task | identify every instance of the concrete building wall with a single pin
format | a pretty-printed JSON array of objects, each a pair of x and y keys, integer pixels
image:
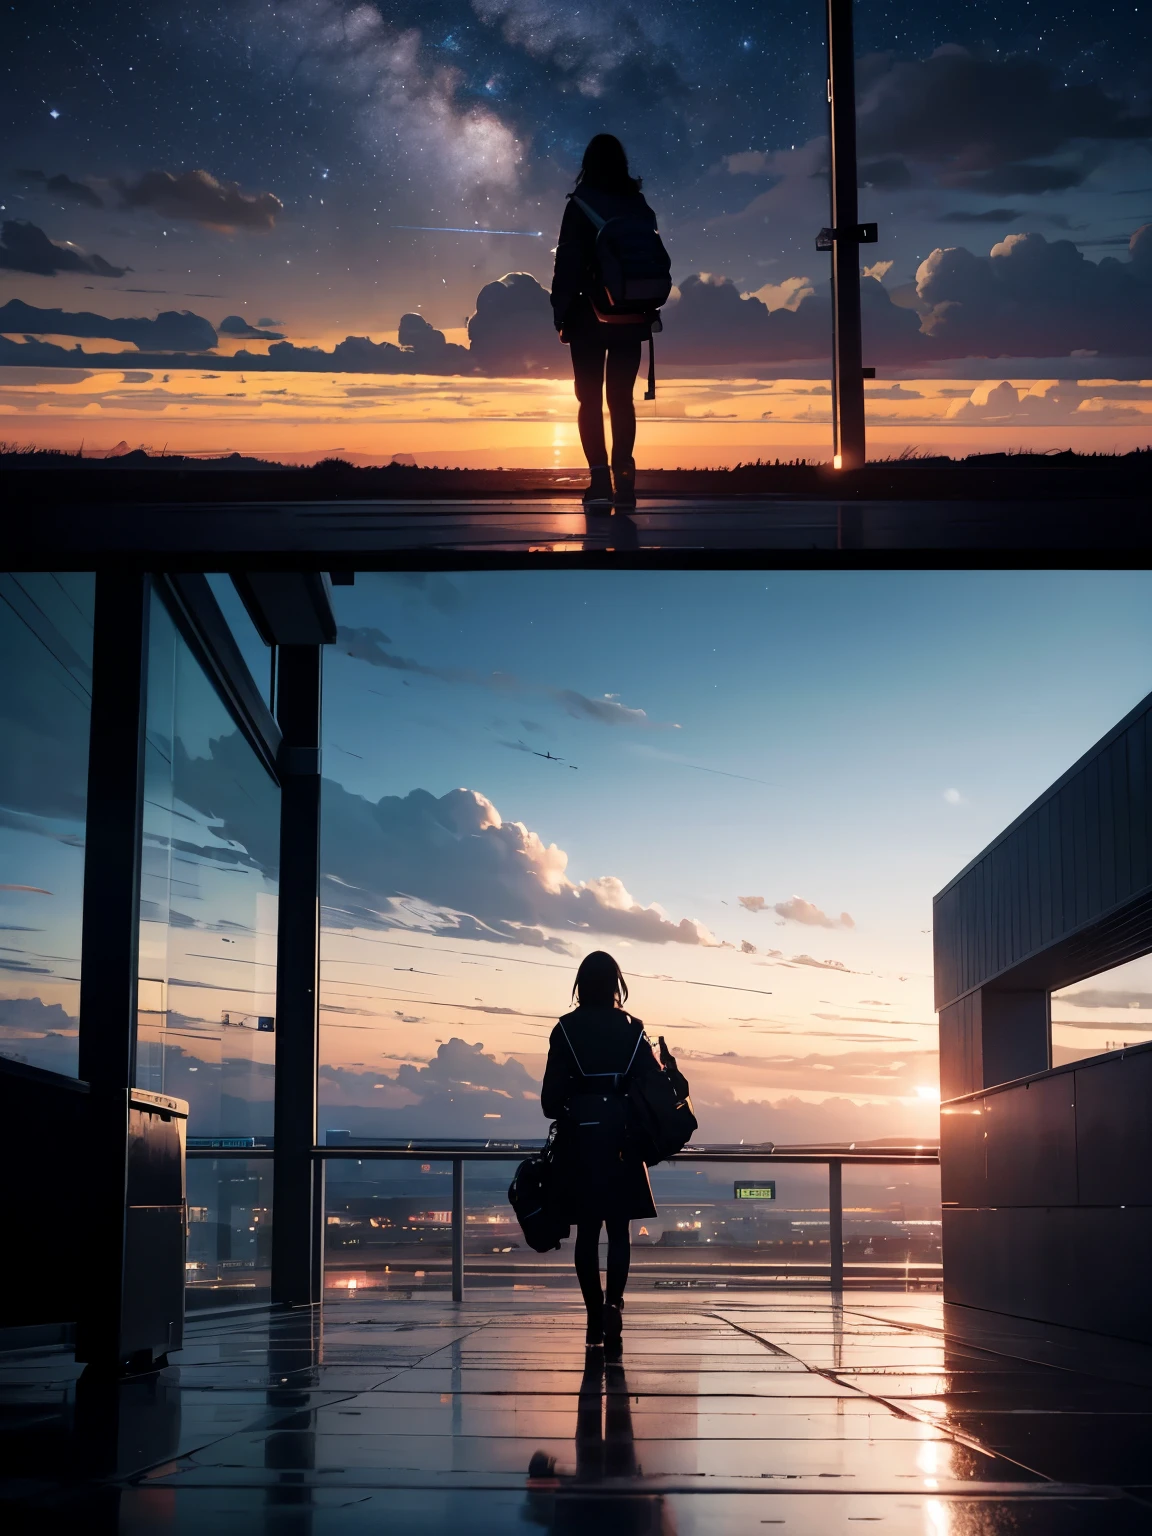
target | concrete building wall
[{"x": 1047, "y": 1212}]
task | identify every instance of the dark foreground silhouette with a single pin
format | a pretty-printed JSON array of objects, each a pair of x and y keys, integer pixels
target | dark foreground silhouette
[{"x": 49, "y": 475}]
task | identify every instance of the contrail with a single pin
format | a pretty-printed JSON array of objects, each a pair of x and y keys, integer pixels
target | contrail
[{"x": 448, "y": 229}]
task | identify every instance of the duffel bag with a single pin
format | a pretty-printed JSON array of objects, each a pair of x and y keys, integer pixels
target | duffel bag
[{"x": 530, "y": 1195}]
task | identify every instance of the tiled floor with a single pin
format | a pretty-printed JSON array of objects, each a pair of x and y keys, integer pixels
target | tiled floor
[
  {"x": 366, "y": 532},
  {"x": 728, "y": 1416}
]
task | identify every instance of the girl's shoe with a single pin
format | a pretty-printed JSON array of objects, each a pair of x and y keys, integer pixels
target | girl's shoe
[
  {"x": 598, "y": 496},
  {"x": 624, "y": 478},
  {"x": 613, "y": 1332}
]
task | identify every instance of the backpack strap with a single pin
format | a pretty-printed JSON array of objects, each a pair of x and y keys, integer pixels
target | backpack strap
[
  {"x": 650, "y": 392},
  {"x": 597, "y": 222},
  {"x": 572, "y": 1048}
]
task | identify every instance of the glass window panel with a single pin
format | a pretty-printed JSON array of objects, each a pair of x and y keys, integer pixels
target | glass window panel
[
  {"x": 388, "y": 1226},
  {"x": 1107, "y": 1012},
  {"x": 512, "y": 779},
  {"x": 45, "y": 718},
  {"x": 258, "y": 655},
  {"x": 229, "y": 1254},
  {"x": 208, "y": 902}
]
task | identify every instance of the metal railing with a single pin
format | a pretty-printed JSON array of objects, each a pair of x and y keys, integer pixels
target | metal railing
[{"x": 457, "y": 1153}]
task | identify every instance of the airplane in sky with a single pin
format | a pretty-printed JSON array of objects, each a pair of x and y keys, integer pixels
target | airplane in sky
[{"x": 549, "y": 757}]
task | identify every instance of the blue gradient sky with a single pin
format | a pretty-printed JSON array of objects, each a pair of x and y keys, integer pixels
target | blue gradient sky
[{"x": 897, "y": 719}]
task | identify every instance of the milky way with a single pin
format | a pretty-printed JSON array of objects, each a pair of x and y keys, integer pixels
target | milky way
[{"x": 346, "y": 145}]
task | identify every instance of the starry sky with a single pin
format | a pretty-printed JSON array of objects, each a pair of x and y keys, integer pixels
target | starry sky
[{"x": 274, "y": 177}]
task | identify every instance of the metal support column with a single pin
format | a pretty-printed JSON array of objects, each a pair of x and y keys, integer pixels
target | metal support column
[
  {"x": 294, "y": 1270},
  {"x": 457, "y": 1229},
  {"x": 110, "y": 945},
  {"x": 836, "y": 1224},
  {"x": 847, "y": 352},
  {"x": 319, "y": 1225}
]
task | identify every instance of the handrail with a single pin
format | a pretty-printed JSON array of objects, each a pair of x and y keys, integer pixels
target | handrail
[
  {"x": 457, "y": 1153},
  {"x": 508, "y": 1151}
]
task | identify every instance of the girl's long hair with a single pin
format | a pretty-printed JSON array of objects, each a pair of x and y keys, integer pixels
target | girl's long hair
[
  {"x": 605, "y": 165},
  {"x": 600, "y": 982}
]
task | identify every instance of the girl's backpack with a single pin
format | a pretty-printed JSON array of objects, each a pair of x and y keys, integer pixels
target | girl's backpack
[
  {"x": 660, "y": 1108},
  {"x": 632, "y": 273}
]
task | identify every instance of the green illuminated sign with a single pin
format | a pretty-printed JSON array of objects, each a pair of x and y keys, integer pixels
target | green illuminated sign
[{"x": 755, "y": 1191}]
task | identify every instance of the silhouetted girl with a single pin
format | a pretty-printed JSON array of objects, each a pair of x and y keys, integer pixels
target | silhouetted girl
[
  {"x": 605, "y": 358},
  {"x": 600, "y": 1178}
]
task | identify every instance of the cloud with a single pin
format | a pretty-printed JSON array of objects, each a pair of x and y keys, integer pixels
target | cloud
[
  {"x": 889, "y": 175},
  {"x": 797, "y": 910},
  {"x": 198, "y": 196},
  {"x": 788, "y": 294},
  {"x": 236, "y": 325},
  {"x": 35, "y": 1016},
  {"x": 512, "y": 332},
  {"x": 367, "y": 643},
  {"x": 457, "y": 1065},
  {"x": 457, "y": 1088},
  {"x": 39, "y": 1033},
  {"x": 424, "y": 586},
  {"x": 1039, "y": 298},
  {"x": 746, "y": 948},
  {"x": 421, "y": 349},
  {"x": 988, "y": 124},
  {"x": 1028, "y": 298},
  {"x": 953, "y": 796},
  {"x": 712, "y": 322},
  {"x": 999, "y": 216},
  {"x": 62, "y": 186},
  {"x": 480, "y": 877},
  {"x": 823, "y": 965},
  {"x": 172, "y": 330},
  {"x": 1048, "y": 403},
  {"x": 868, "y": 1071},
  {"x": 606, "y": 710},
  {"x": 1106, "y": 997},
  {"x": 24, "y": 247}
]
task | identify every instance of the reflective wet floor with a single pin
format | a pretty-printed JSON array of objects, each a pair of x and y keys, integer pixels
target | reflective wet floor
[
  {"x": 365, "y": 534},
  {"x": 729, "y": 1414}
]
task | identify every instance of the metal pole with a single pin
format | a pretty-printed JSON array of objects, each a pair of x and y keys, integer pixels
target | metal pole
[
  {"x": 836, "y": 1225},
  {"x": 847, "y": 353},
  {"x": 457, "y": 1229},
  {"x": 319, "y": 1225},
  {"x": 110, "y": 945},
  {"x": 294, "y": 1270}
]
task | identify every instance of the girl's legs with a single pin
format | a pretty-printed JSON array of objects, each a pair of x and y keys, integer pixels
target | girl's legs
[
  {"x": 619, "y": 1247},
  {"x": 619, "y": 1253},
  {"x": 623, "y": 364},
  {"x": 588, "y": 374},
  {"x": 588, "y": 1273}
]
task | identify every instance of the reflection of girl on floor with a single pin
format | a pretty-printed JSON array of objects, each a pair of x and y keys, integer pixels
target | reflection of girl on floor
[{"x": 605, "y": 1449}]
